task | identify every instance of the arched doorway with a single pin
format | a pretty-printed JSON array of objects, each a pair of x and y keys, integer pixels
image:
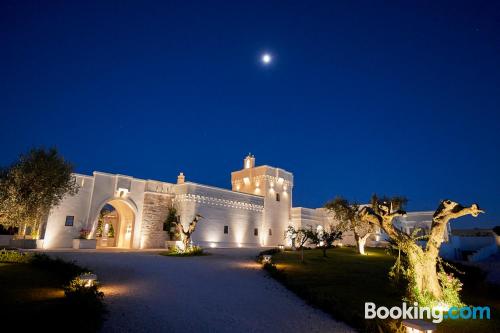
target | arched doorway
[{"x": 114, "y": 226}]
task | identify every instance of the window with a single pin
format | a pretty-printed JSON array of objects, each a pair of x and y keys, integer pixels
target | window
[
  {"x": 69, "y": 221},
  {"x": 277, "y": 197},
  {"x": 226, "y": 229},
  {"x": 270, "y": 232},
  {"x": 255, "y": 232}
]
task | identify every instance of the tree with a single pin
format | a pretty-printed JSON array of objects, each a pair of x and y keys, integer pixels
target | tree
[
  {"x": 170, "y": 221},
  {"x": 186, "y": 234},
  {"x": 348, "y": 216},
  {"x": 100, "y": 221},
  {"x": 300, "y": 237},
  {"x": 29, "y": 188},
  {"x": 425, "y": 283},
  {"x": 324, "y": 238}
]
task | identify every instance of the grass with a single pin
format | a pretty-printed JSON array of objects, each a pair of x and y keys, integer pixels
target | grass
[
  {"x": 341, "y": 283},
  {"x": 32, "y": 297}
]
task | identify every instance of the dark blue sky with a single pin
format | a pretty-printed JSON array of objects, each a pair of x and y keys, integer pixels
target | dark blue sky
[{"x": 362, "y": 97}]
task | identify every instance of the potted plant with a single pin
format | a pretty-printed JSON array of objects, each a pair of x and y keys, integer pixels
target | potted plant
[{"x": 83, "y": 241}]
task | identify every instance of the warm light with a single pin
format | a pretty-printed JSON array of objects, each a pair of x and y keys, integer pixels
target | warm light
[
  {"x": 266, "y": 259},
  {"x": 89, "y": 279},
  {"x": 122, "y": 192},
  {"x": 212, "y": 245},
  {"x": 321, "y": 243},
  {"x": 340, "y": 244},
  {"x": 239, "y": 244},
  {"x": 281, "y": 247},
  {"x": 246, "y": 180}
]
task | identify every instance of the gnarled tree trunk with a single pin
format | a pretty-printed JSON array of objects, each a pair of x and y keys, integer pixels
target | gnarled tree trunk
[
  {"x": 361, "y": 242},
  {"x": 424, "y": 271}
]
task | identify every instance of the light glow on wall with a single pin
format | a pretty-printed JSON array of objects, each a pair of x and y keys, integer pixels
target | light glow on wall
[
  {"x": 213, "y": 245},
  {"x": 122, "y": 192}
]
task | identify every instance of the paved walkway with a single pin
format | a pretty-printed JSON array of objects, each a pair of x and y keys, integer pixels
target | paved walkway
[{"x": 224, "y": 292}]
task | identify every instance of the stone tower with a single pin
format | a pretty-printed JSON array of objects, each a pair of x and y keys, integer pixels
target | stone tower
[{"x": 275, "y": 185}]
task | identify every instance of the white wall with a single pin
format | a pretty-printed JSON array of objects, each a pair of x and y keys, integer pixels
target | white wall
[
  {"x": 56, "y": 233},
  {"x": 240, "y": 212}
]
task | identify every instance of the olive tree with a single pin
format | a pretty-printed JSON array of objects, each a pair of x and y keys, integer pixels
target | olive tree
[
  {"x": 186, "y": 233},
  {"x": 425, "y": 283},
  {"x": 347, "y": 214},
  {"x": 299, "y": 238},
  {"x": 33, "y": 185},
  {"x": 324, "y": 237}
]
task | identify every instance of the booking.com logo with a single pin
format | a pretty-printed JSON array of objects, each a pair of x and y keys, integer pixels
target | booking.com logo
[{"x": 437, "y": 314}]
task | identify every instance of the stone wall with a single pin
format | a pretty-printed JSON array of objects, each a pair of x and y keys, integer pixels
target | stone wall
[{"x": 154, "y": 213}]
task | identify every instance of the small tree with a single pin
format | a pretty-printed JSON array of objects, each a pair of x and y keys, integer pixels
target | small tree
[
  {"x": 324, "y": 238},
  {"x": 348, "y": 216},
  {"x": 100, "y": 221},
  {"x": 170, "y": 222},
  {"x": 29, "y": 188},
  {"x": 186, "y": 234},
  {"x": 111, "y": 231},
  {"x": 299, "y": 237}
]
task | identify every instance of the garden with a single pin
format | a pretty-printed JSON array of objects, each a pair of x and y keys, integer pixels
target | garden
[
  {"x": 39, "y": 292},
  {"x": 342, "y": 282}
]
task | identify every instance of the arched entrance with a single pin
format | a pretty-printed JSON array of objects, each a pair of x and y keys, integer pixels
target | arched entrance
[{"x": 115, "y": 223}]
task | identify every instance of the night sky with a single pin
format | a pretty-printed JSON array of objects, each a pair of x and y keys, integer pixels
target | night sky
[{"x": 361, "y": 97}]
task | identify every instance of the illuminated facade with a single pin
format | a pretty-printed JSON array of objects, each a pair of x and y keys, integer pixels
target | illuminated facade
[{"x": 255, "y": 212}]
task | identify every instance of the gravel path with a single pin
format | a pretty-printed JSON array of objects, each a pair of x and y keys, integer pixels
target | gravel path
[{"x": 223, "y": 292}]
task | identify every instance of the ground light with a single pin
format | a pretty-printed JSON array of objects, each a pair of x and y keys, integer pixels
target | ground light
[
  {"x": 266, "y": 259},
  {"x": 418, "y": 326},
  {"x": 281, "y": 247},
  {"x": 89, "y": 279}
]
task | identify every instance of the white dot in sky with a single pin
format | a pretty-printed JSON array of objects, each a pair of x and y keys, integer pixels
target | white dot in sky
[{"x": 266, "y": 58}]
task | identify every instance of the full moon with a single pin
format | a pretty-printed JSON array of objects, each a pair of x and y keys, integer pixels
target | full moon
[{"x": 266, "y": 58}]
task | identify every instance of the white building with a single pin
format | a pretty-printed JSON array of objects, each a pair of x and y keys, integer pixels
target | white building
[{"x": 256, "y": 212}]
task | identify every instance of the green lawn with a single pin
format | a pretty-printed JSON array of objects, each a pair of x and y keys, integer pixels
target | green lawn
[
  {"x": 32, "y": 297},
  {"x": 341, "y": 283}
]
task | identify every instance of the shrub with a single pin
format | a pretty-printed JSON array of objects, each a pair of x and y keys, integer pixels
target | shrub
[
  {"x": 191, "y": 252},
  {"x": 267, "y": 252},
  {"x": 87, "y": 299},
  {"x": 15, "y": 256},
  {"x": 63, "y": 269}
]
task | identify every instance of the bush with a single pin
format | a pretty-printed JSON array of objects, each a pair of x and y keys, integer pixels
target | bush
[
  {"x": 267, "y": 252},
  {"x": 63, "y": 269},
  {"x": 87, "y": 300},
  {"x": 15, "y": 256},
  {"x": 191, "y": 252}
]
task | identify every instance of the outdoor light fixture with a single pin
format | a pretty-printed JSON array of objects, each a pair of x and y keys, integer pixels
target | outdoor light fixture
[
  {"x": 239, "y": 244},
  {"x": 122, "y": 192},
  {"x": 212, "y": 245},
  {"x": 340, "y": 244},
  {"x": 281, "y": 247},
  {"x": 266, "y": 259},
  {"x": 89, "y": 279},
  {"x": 418, "y": 326}
]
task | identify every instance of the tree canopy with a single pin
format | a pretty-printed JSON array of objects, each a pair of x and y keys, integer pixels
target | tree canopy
[{"x": 34, "y": 184}]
